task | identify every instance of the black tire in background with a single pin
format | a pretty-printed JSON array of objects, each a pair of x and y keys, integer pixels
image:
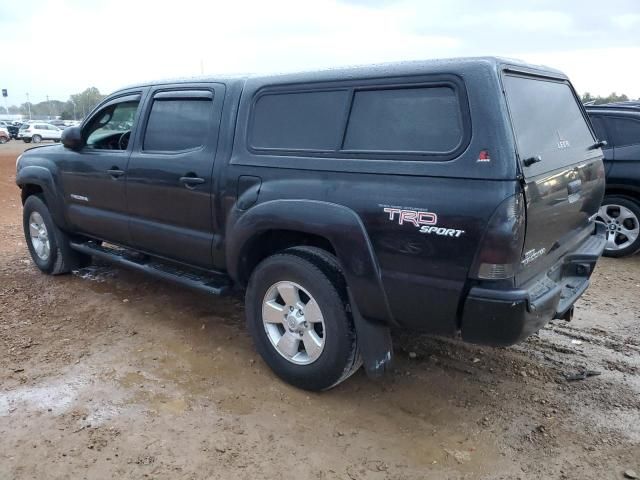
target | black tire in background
[
  {"x": 339, "y": 357},
  {"x": 61, "y": 258},
  {"x": 611, "y": 203}
]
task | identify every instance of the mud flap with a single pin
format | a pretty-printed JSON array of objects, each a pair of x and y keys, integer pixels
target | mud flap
[{"x": 374, "y": 343}]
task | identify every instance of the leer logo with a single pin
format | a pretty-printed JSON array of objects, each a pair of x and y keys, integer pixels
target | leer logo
[{"x": 562, "y": 143}]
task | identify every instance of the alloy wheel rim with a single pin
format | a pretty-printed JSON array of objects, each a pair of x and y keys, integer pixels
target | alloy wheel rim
[
  {"x": 39, "y": 236},
  {"x": 623, "y": 227},
  {"x": 293, "y": 322}
]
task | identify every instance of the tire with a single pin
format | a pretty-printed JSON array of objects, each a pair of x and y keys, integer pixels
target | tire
[
  {"x": 3, "y": 140},
  {"x": 622, "y": 217},
  {"x": 50, "y": 251},
  {"x": 317, "y": 277},
  {"x": 36, "y": 139},
  {"x": 26, "y": 140}
]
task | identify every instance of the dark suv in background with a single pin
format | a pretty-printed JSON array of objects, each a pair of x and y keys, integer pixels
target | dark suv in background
[{"x": 619, "y": 125}]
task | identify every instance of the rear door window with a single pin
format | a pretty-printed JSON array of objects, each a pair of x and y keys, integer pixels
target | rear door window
[
  {"x": 179, "y": 123},
  {"x": 625, "y": 131},
  {"x": 548, "y": 123}
]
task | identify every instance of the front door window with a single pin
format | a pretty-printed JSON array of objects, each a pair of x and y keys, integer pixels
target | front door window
[{"x": 110, "y": 129}]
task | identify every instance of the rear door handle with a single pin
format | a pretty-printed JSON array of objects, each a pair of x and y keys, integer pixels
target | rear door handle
[
  {"x": 191, "y": 182},
  {"x": 115, "y": 172}
]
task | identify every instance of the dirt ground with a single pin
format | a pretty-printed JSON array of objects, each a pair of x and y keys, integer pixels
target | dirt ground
[{"x": 107, "y": 373}]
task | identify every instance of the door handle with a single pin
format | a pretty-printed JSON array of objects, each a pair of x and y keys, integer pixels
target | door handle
[
  {"x": 115, "y": 172},
  {"x": 191, "y": 182}
]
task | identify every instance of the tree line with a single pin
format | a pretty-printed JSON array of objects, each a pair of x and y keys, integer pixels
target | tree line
[
  {"x": 75, "y": 108},
  {"x": 613, "y": 97}
]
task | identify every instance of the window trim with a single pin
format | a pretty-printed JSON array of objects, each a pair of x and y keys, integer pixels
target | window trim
[
  {"x": 352, "y": 86},
  {"x": 177, "y": 93}
]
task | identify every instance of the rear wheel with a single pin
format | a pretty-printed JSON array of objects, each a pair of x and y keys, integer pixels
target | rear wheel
[
  {"x": 26, "y": 140},
  {"x": 4, "y": 139},
  {"x": 297, "y": 315},
  {"x": 48, "y": 245},
  {"x": 621, "y": 215},
  {"x": 36, "y": 139}
]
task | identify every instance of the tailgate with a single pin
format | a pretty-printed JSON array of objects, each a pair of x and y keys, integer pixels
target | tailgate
[{"x": 563, "y": 174}]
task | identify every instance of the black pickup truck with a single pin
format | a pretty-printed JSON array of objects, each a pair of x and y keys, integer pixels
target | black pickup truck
[{"x": 456, "y": 197}]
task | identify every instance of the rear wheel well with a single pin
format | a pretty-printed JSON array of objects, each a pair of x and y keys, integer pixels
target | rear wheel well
[
  {"x": 273, "y": 241},
  {"x": 30, "y": 189}
]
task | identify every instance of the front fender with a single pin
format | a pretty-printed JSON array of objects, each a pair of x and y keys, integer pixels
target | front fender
[
  {"x": 340, "y": 225},
  {"x": 42, "y": 177}
]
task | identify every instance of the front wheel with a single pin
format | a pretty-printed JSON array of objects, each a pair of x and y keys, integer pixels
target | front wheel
[
  {"x": 621, "y": 215},
  {"x": 3, "y": 140},
  {"x": 48, "y": 245},
  {"x": 296, "y": 309},
  {"x": 26, "y": 140}
]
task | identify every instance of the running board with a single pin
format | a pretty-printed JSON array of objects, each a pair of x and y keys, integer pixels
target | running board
[{"x": 212, "y": 283}]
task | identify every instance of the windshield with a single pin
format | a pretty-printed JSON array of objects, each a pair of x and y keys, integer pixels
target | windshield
[{"x": 548, "y": 123}]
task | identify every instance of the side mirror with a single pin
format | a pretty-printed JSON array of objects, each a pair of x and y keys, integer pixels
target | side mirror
[{"x": 72, "y": 138}]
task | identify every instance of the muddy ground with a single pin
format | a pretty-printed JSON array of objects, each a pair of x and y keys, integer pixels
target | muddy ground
[{"x": 109, "y": 374}]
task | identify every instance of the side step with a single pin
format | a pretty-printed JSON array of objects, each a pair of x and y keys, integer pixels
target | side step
[{"x": 212, "y": 283}]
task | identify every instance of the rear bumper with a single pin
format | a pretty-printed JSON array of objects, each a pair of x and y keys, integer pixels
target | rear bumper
[{"x": 505, "y": 317}]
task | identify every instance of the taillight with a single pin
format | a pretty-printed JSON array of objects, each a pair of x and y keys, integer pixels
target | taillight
[{"x": 501, "y": 247}]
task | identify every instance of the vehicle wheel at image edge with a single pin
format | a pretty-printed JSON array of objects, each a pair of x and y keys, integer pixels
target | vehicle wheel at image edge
[
  {"x": 621, "y": 215},
  {"x": 48, "y": 245},
  {"x": 296, "y": 308},
  {"x": 3, "y": 140}
]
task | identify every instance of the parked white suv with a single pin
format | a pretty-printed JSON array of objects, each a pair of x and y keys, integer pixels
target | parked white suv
[
  {"x": 4, "y": 135},
  {"x": 37, "y": 132}
]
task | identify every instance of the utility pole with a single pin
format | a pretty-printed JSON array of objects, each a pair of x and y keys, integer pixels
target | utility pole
[{"x": 29, "y": 105}]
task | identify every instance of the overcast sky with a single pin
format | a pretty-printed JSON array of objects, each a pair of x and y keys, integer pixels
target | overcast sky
[{"x": 60, "y": 47}]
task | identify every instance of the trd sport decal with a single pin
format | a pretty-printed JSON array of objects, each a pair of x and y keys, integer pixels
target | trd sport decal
[{"x": 427, "y": 222}]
